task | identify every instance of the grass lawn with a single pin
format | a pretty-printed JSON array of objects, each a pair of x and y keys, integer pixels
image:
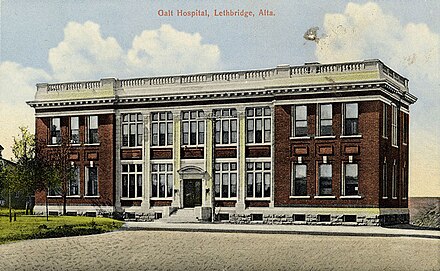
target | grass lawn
[{"x": 31, "y": 227}]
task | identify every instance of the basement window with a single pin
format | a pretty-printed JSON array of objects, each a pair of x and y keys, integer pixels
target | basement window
[
  {"x": 323, "y": 218},
  {"x": 257, "y": 217},
  {"x": 297, "y": 217},
  {"x": 350, "y": 218}
]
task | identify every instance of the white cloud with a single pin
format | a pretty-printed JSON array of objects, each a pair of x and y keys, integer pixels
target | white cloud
[
  {"x": 17, "y": 86},
  {"x": 365, "y": 32},
  {"x": 85, "y": 54}
]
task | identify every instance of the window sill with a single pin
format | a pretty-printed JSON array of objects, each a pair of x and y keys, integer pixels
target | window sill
[
  {"x": 192, "y": 146},
  {"x": 53, "y": 145},
  {"x": 299, "y": 137},
  {"x": 299, "y": 197},
  {"x": 73, "y": 197},
  {"x": 92, "y": 144},
  {"x": 131, "y": 198},
  {"x": 384, "y": 197},
  {"x": 54, "y": 197},
  {"x": 394, "y": 197},
  {"x": 91, "y": 197},
  {"x": 350, "y": 197},
  {"x": 227, "y": 199},
  {"x": 404, "y": 198},
  {"x": 75, "y": 144},
  {"x": 161, "y": 198},
  {"x": 324, "y": 197},
  {"x": 130, "y": 147},
  {"x": 257, "y": 199},
  {"x": 151, "y": 147},
  {"x": 385, "y": 137},
  {"x": 351, "y": 136},
  {"x": 225, "y": 145},
  {"x": 395, "y": 146},
  {"x": 325, "y": 137},
  {"x": 259, "y": 144},
  {"x": 404, "y": 144}
]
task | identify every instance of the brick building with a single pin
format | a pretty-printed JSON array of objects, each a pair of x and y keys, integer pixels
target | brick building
[{"x": 318, "y": 143}]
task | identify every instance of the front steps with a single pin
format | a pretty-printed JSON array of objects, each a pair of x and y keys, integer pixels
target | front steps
[{"x": 186, "y": 215}]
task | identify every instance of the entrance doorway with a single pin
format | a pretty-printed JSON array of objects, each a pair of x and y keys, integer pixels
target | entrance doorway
[{"x": 192, "y": 193}]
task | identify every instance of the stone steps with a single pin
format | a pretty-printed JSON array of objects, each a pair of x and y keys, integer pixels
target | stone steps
[{"x": 181, "y": 216}]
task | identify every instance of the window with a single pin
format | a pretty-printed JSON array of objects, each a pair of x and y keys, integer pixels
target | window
[
  {"x": 225, "y": 126},
  {"x": 394, "y": 181},
  {"x": 225, "y": 180},
  {"x": 258, "y": 179},
  {"x": 404, "y": 182},
  {"x": 193, "y": 128},
  {"x": 325, "y": 120},
  {"x": 162, "y": 129},
  {"x": 54, "y": 190},
  {"x": 351, "y": 119},
  {"x": 299, "y": 180},
  {"x": 132, "y": 130},
  {"x": 394, "y": 127},
  {"x": 162, "y": 180},
  {"x": 74, "y": 130},
  {"x": 384, "y": 180},
  {"x": 258, "y": 125},
  {"x": 405, "y": 129},
  {"x": 55, "y": 131},
  {"x": 92, "y": 129},
  {"x": 385, "y": 121},
  {"x": 351, "y": 180},
  {"x": 325, "y": 180},
  {"x": 73, "y": 188},
  {"x": 92, "y": 181},
  {"x": 131, "y": 180},
  {"x": 299, "y": 118}
]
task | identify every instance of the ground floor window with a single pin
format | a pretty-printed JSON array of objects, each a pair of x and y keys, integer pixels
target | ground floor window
[
  {"x": 258, "y": 179},
  {"x": 325, "y": 180},
  {"x": 162, "y": 180},
  {"x": 132, "y": 181},
  {"x": 351, "y": 180},
  {"x": 299, "y": 180},
  {"x": 73, "y": 189},
  {"x": 91, "y": 181},
  {"x": 225, "y": 179}
]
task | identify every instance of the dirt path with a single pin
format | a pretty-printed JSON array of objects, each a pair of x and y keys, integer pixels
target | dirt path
[{"x": 149, "y": 250}]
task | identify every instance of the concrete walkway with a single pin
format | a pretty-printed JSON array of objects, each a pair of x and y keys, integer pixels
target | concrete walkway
[{"x": 369, "y": 231}]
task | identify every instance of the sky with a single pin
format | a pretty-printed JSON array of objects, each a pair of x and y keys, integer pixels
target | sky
[{"x": 58, "y": 41}]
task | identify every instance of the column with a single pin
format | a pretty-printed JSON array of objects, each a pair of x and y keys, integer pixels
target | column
[
  {"x": 272, "y": 155},
  {"x": 241, "y": 153},
  {"x": 177, "y": 202},
  {"x": 145, "y": 205},
  {"x": 118, "y": 181},
  {"x": 208, "y": 197}
]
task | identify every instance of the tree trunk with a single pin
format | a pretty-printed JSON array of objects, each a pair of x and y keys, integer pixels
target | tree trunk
[
  {"x": 64, "y": 204},
  {"x": 47, "y": 208}
]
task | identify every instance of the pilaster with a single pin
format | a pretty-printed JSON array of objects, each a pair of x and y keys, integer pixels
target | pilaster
[
  {"x": 118, "y": 181},
  {"x": 208, "y": 191},
  {"x": 241, "y": 153},
  {"x": 177, "y": 201},
  {"x": 146, "y": 167}
]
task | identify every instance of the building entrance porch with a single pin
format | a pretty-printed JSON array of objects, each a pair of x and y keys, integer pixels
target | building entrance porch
[{"x": 192, "y": 193}]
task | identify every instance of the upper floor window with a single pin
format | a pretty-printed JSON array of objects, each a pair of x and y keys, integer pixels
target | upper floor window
[
  {"x": 299, "y": 180},
  {"x": 74, "y": 130},
  {"x": 385, "y": 121},
  {"x": 92, "y": 129},
  {"x": 384, "y": 180},
  {"x": 55, "y": 131},
  {"x": 132, "y": 130},
  {"x": 258, "y": 125},
  {"x": 161, "y": 128},
  {"x": 405, "y": 125},
  {"x": 351, "y": 119},
  {"x": 92, "y": 181},
  {"x": 299, "y": 119},
  {"x": 131, "y": 180},
  {"x": 351, "y": 180},
  {"x": 394, "y": 120},
  {"x": 325, "y": 117},
  {"x": 225, "y": 180},
  {"x": 258, "y": 178},
  {"x": 394, "y": 181},
  {"x": 225, "y": 126},
  {"x": 162, "y": 180},
  {"x": 325, "y": 179},
  {"x": 193, "y": 127}
]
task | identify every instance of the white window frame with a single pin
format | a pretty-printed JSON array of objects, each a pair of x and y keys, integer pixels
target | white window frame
[
  {"x": 162, "y": 127},
  {"x": 319, "y": 179},
  {"x": 55, "y": 131},
  {"x": 384, "y": 180},
  {"x": 225, "y": 126},
  {"x": 394, "y": 181},
  {"x": 344, "y": 119},
  {"x": 75, "y": 178},
  {"x": 190, "y": 117},
  {"x": 219, "y": 173},
  {"x": 295, "y": 120},
  {"x": 384, "y": 120},
  {"x": 394, "y": 128},
  {"x": 74, "y": 129},
  {"x": 168, "y": 173},
  {"x": 255, "y": 115},
  {"x": 344, "y": 178},
  {"x": 405, "y": 130},
  {"x": 89, "y": 127},
  {"x": 132, "y": 124},
  {"x": 293, "y": 180},
  {"x": 404, "y": 182},
  {"x": 264, "y": 171},
  {"x": 87, "y": 180},
  {"x": 320, "y": 119},
  {"x": 134, "y": 170}
]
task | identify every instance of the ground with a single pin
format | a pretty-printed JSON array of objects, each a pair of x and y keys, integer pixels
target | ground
[{"x": 172, "y": 250}]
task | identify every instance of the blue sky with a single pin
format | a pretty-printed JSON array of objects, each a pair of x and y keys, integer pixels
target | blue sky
[{"x": 84, "y": 40}]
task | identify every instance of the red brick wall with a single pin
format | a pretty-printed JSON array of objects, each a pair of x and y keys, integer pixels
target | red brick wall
[
  {"x": 102, "y": 156},
  {"x": 365, "y": 151}
]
